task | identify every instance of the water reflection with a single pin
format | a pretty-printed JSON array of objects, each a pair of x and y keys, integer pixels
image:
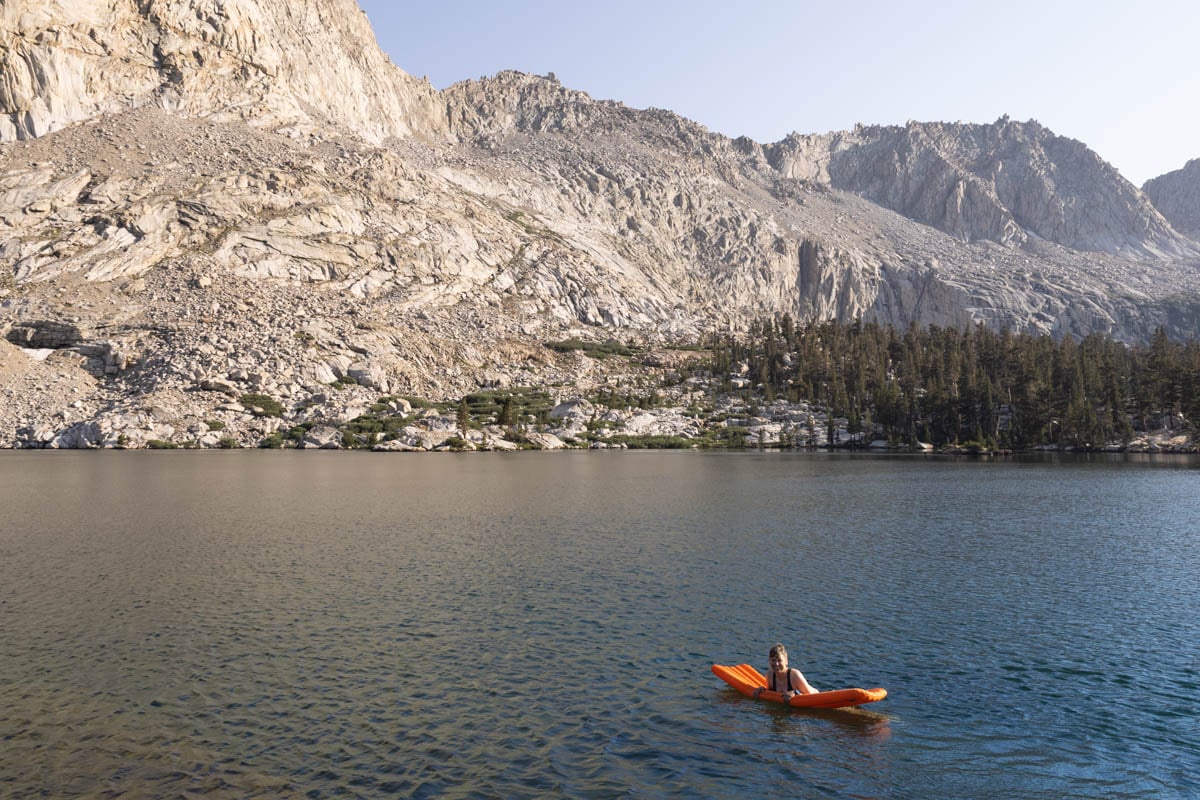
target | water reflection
[{"x": 858, "y": 721}]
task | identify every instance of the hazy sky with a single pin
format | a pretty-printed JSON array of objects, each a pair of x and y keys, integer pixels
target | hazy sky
[{"x": 1123, "y": 77}]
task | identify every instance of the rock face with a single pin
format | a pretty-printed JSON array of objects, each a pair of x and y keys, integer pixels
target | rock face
[
  {"x": 286, "y": 66},
  {"x": 201, "y": 200},
  {"x": 1177, "y": 196},
  {"x": 1003, "y": 182}
]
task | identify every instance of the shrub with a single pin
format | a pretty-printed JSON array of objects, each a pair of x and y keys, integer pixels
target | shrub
[
  {"x": 297, "y": 433},
  {"x": 653, "y": 442},
  {"x": 365, "y": 424},
  {"x": 215, "y": 425},
  {"x": 609, "y": 347},
  {"x": 228, "y": 443},
  {"x": 515, "y": 404},
  {"x": 159, "y": 444},
  {"x": 269, "y": 405}
]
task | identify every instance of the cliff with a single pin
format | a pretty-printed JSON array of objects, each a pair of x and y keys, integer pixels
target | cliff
[
  {"x": 1177, "y": 197},
  {"x": 295, "y": 67}
]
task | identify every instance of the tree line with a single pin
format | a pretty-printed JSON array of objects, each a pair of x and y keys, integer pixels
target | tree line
[{"x": 976, "y": 385}]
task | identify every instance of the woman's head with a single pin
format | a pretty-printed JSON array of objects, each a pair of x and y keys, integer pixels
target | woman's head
[{"x": 778, "y": 657}]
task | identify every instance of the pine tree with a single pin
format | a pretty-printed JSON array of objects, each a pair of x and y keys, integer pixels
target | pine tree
[{"x": 464, "y": 417}]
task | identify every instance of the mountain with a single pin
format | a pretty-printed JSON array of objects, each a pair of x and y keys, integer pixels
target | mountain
[
  {"x": 1004, "y": 182},
  {"x": 200, "y": 197},
  {"x": 1177, "y": 197}
]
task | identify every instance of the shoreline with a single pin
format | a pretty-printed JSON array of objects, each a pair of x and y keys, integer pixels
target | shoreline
[{"x": 948, "y": 452}]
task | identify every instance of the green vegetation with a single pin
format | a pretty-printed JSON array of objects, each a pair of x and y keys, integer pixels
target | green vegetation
[
  {"x": 611, "y": 398},
  {"x": 270, "y": 407},
  {"x": 272, "y": 441},
  {"x": 296, "y": 433},
  {"x": 507, "y": 407},
  {"x": 367, "y": 431},
  {"x": 609, "y": 347},
  {"x": 159, "y": 444},
  {"x": 990, "y": 388},
  {"x": 653, "y": 442},
  {"x": 972, "y": 390},
  {"x": 464, "y": 416}
]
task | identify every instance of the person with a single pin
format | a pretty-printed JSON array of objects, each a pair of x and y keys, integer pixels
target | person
[{"x": 784, "y": 679}]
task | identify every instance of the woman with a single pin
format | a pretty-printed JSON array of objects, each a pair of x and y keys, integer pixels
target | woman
[{"x": 782, "y": 679}]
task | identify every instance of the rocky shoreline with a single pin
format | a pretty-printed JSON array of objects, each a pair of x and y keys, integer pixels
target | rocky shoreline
[
  {"x": 322, "y": 375},
  {"x": 652, "y": 409}
]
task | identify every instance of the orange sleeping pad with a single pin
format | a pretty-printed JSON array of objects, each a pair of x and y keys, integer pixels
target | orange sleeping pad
[{"x": 746, "y": 679}]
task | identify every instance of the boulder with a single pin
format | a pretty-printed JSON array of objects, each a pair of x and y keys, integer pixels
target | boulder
[
  {"x": 322, "y": 437},
  {"x": 395, "y": 446},
  {"x": 545, "y": 441},
  {"x": 577, "y": 409},
  {"x": 219, "y": 385},
  {"x": 81, "y": 435},
  {"x": 370, "y": 375},
  {"x": 45, "y": 334}
]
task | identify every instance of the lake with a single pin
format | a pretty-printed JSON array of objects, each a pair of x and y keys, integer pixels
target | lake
[{"x": 323, "y": 624}]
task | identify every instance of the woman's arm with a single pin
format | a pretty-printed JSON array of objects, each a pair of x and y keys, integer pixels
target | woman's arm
[{"x": 799, "y": 680}]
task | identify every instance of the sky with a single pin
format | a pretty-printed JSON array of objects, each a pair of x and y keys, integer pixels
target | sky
[{"x": 1122, "y": 77}]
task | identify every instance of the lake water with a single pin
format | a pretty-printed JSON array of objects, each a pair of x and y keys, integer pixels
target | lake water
[{"x": 284, "y": 624}]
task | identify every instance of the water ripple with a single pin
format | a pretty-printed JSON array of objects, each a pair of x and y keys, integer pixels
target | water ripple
[{"x": 287, "y": 625}]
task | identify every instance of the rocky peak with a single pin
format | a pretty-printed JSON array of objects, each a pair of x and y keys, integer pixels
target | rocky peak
[
  {"x": 1004, "y": 182},
  {"x": 292, "y": 67},
  {"x": 1177, "y": 197},
  {"x": 512, "y": 101},
  {"x": 516, "y": 102}
]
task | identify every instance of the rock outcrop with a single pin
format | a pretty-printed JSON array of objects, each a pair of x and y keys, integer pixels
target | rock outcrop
[
  {"x": 1177, "y": 197},
  {"x": 294, "y": 67}
]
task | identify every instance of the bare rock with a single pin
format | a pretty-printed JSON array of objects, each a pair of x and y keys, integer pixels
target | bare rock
[
  {"x": 545, "y": 441},
  {"x": 322, "y": 437},
  {"x": 273, "y": 64},
  {"x": 1177, "y": 196},
  {"x": 48, "y": 334}
]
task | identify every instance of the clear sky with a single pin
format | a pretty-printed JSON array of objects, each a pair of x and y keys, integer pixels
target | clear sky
[{"x": 1121, "y": 76}]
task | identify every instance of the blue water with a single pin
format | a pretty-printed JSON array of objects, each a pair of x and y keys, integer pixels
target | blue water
[{"x": 485, "y": 625}]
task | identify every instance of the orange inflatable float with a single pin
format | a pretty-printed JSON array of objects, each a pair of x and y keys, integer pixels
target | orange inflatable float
[{"x": 747, "y": 680}]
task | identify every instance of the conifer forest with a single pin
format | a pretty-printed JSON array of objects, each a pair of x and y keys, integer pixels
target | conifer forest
[{"x": 976, "y": 385}]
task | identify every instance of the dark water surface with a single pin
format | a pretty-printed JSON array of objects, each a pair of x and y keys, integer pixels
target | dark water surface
[{"x": 278, "y": 624}]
